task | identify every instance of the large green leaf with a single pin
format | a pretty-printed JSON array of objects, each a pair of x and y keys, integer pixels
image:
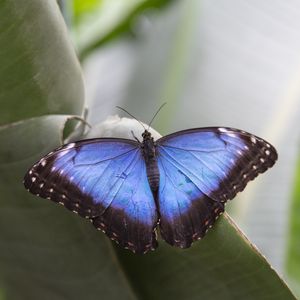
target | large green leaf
[
  {"x": 39, "y": 71},
  {"x": 47, "y": 252},
  {"x": 223, "y": 266},
  {"x": 293, "y": 251}
]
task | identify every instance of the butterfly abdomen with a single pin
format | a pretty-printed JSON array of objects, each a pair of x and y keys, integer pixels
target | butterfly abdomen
[
  {"x": 149, "y": 153},
  {"x": 153, "y": 175}
]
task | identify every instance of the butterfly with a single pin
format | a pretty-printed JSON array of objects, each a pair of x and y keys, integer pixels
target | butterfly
[{"x": 128, "y": 189}]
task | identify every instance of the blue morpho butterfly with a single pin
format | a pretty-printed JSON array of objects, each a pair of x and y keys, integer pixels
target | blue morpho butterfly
[{"x": 128, "y": 189}]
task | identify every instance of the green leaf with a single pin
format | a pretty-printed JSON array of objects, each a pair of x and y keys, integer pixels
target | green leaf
[
  {"x": 222, "y": 266},
  {"x": 39, "y": 70},
  {"x": 46, "y": 251},
  {"x": 293, "y": 248},
  {"x": 84, "y": 7},
  {"x": 122, "y": 25}
]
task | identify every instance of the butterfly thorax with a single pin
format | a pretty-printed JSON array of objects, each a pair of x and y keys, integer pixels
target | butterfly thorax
[{"x": 149, "y": 153}]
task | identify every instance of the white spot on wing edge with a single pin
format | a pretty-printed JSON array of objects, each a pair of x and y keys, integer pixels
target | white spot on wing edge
[
  {"x": 33, "y": 179},
  {"x": 71, "y": 145},
  {"x": 222, "y": 129},
  {"x": 253, "y": 139}
]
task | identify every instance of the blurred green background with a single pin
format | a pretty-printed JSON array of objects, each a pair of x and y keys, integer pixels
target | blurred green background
[{"x": 226, "y": 63}]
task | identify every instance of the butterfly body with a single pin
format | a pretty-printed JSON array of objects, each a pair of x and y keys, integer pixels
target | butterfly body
[
  {"x": 149, "y": 154},
  {"x": 128, "y": 189}
]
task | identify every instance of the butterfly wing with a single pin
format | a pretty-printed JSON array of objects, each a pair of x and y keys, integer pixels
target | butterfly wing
[
  {"x": 104, "y": 180},
  {"x": 200, "y": 169}
]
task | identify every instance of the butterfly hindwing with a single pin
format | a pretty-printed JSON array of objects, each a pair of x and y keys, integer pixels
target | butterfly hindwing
[
  {"x": 104, "y": 180},
  {"x": 185, "y": 211},
  {"x": 200, "y": 169}
]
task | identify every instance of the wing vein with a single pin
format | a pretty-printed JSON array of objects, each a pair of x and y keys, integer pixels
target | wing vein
[
  {"x": 132, "y": 167},
  {"x": 188, "y": 196},
  {"x": 185, "y": 169}
]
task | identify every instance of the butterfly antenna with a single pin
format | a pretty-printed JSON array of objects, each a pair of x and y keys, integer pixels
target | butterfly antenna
[
  {"x": 131, "y": 115},
  {"x": 156, "y": 114}
]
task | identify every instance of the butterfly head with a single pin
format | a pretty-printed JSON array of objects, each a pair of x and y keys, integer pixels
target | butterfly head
[{"x": 147, "y": 136}]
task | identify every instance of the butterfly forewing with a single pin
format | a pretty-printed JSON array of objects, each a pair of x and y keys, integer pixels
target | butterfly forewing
[
  {"x": 200, "y": 169},
  {"x": 104, "y": 180}
]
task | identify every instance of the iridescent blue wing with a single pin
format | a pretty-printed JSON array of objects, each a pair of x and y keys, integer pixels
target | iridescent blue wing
[
  {"x": 105, "y": 181},
  {"x": 200, "y": 169}
]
